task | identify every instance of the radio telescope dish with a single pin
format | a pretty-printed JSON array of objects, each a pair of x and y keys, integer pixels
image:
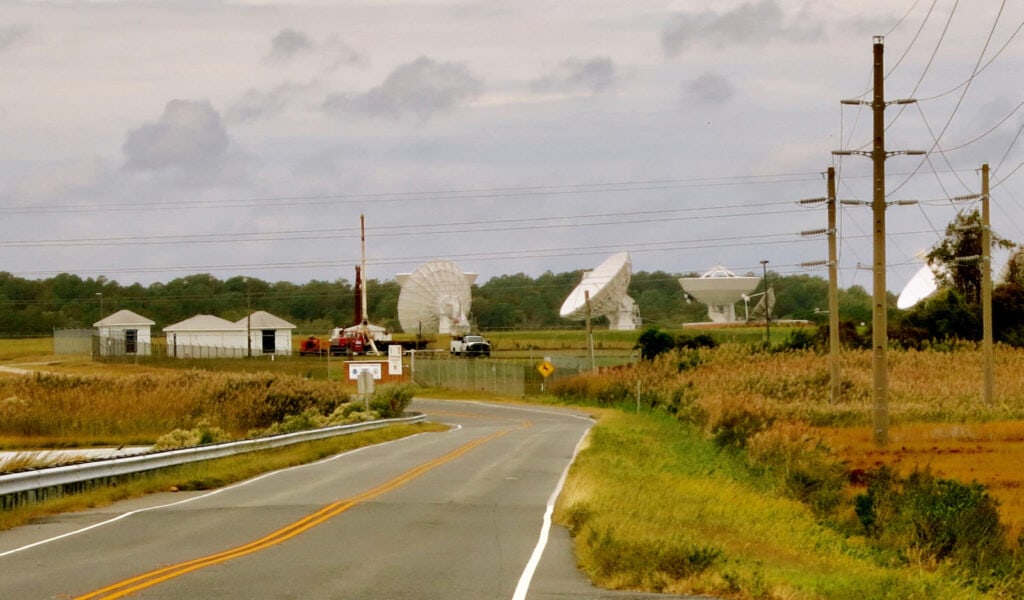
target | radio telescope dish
[
  {"x": 920, "y": 286},
  {"x": 720, "y": 289},
  {"x": 435, "y": 298},
  {"x": 606, "y": 286}
]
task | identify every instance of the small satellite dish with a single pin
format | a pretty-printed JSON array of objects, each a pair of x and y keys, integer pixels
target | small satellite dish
[
  {"x": 606, "y": 286},
  {"x": 435, "y": 298},
  {"x": 920, "y": 286}
]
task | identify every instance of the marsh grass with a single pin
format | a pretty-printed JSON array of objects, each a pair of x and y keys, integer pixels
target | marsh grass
[{"x": 105, "y": 409}]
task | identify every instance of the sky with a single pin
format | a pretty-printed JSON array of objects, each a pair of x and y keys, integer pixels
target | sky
[{"x": 143, "y": 141}]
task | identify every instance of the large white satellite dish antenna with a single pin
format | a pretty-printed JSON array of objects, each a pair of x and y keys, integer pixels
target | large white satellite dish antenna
[
  {"x": 920, "y": 286},
  {"x": 606, "y": 286},
  {"x": 435, "y": 298},
  {"x": 720, "y": 289}
]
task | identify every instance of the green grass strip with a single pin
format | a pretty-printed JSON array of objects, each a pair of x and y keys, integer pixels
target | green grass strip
[{"x": 653, "y": 505}]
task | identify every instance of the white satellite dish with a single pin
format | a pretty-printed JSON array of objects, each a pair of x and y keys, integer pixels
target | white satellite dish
[
  {"x": 920, "y": 286},
  {"x": 435, "y": 298},
  {"x": 606, "y": 286},
  {"x": 720, "y": 289}
]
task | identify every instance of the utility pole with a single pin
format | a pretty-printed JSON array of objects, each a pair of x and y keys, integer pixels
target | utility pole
[
  {"x": 879, "y": 321},
  {"x": 833, "y": 291},
  {"x": 986, "y": 286},
  {"x": 833, "y": 280}
]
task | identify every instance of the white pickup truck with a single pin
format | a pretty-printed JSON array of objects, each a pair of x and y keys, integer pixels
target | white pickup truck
[{"x": 470, "y": 345}]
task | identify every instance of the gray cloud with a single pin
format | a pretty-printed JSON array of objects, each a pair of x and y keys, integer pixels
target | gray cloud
[
  {"x": 421, "y": 88},
  {"x": 288, "y": 44},
  {"x": 594, "y": 76},
  {"x": 188, "y": 133},
  {"x": 749, "y": 23},
  {"x": 11, "y": 35},
  {"x": 340, "y": 54},
  {"x": 257, "y": 104},
  {"x": 709, "y": 88}
]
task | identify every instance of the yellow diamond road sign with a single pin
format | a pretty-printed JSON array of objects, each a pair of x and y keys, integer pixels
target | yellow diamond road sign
[{"x": 545, "y": 368}]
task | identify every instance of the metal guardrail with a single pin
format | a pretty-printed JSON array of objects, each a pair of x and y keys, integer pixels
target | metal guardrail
[{"x": 53, "y": 477}]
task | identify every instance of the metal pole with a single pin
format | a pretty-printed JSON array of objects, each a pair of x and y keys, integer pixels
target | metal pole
[
  {"x": 767, "y": 305},
  {"x": 986, "y": 286},
  {"x": 833, "y": 290},
  {"x": 879, "y": 323},
  {"x": 590, "y": 332}
]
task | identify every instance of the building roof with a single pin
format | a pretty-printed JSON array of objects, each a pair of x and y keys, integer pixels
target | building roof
[
  {"x": 123, "y": 318},
  {"x": 205, "y": 323},
  {"x": 261, "y": 319}
]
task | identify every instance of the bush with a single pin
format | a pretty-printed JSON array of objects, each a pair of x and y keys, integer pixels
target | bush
[
  {"x": 654, "y": 342},
  {"x": 391, "y": 400},
  {"x": 203, "y": 433},
  {"x": 940, "y": 518}
]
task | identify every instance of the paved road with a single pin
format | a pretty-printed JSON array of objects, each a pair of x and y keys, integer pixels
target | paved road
[{"x": 448, "y": 515}]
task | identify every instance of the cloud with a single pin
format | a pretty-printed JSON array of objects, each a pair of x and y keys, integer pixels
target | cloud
[
  {"x": 340, "y": 54},
  {"x": 188, "y": 133},
  {"x": 11, "y": 35},
  {"x": 421, "y": 88},
  {"x": 749, "y": 23},
  {"x": 288, "y": 44},
  {"x": 256, "y": 105},
  {"x": 709, "y": 88},
  {"x": 594, "y": 76}
]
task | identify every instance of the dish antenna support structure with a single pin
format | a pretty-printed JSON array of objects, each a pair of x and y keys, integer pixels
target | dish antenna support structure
[
  {"x": 606, "y": 288},
  {"x": 720, "y": 289},
  {"x": 435, "y": 298}
]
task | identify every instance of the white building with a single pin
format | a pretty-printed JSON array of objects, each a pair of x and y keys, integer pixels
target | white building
[
  {"x": 124, "y": 333},
  {"x": 268, "y": 334},
  {"x": 207, "y": 336}
]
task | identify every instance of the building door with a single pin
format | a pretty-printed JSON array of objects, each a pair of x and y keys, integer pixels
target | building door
[
  {"x": 131, "y": 339},
  {"x": 269, "y": 339}
]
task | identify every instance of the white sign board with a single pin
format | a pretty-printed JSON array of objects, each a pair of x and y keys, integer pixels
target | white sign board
[
  {"x": 394, "y": 359},
  {"x": 354, "y": 369}
]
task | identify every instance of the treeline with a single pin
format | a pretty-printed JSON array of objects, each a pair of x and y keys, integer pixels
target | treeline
[{"x": 36, "y": 307}]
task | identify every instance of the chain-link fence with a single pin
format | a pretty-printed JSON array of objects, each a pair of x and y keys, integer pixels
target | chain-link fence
[
  {"x": 505, "y": 377},
  {"x": 73, "y": 341}
]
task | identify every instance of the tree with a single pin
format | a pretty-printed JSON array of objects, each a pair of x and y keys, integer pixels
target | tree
[{"x": 956, "y": 259}]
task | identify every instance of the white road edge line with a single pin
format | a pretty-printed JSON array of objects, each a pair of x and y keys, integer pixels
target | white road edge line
[{"x": 531, "y": 566}]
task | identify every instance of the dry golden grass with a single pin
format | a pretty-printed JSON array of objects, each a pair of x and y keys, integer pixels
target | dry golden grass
[{"x": 989, "y": 453}]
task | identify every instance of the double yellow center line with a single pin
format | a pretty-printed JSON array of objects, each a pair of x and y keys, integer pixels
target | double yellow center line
[{"x": 146, "y": 580}]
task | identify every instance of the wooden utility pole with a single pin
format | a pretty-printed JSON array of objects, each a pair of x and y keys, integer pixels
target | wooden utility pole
[{"x": 833, "y": 291}]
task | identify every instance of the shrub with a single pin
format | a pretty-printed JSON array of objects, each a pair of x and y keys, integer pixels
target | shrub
[
  {"x": 654, "y": 342},
  {"x": 203, "y": 433},
  {"x": 940, "y": 518},
  {"x": 798, "y": 339},
  {"x": 390, "y": 401}
]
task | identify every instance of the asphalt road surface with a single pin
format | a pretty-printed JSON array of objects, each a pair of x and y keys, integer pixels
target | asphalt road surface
[{"x": 460, "y": 514}]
